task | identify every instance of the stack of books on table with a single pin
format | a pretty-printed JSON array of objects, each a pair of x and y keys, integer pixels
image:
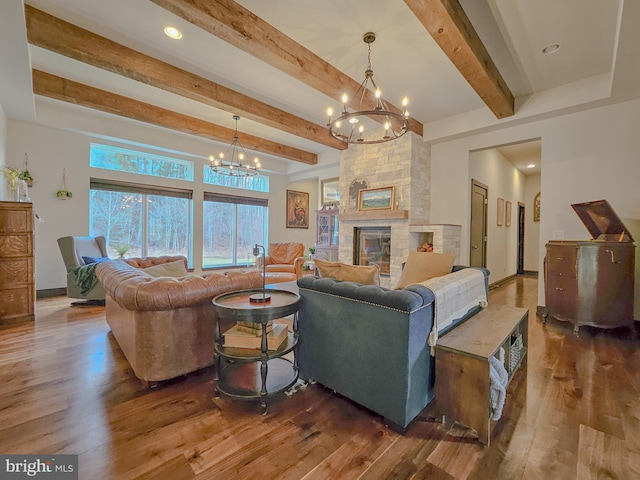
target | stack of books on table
[{"x": 249, "y": 335}]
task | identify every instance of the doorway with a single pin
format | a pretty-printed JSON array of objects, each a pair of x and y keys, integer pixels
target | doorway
[{"x": 478, "y": 240}]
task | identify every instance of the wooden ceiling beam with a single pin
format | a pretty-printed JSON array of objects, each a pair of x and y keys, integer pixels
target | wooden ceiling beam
[
  {"x": 236, "y": 25},
  {"x": 56, "y": 35},
  {"x": 59, "y": 88},
  {"x": 450, "y": 27}
]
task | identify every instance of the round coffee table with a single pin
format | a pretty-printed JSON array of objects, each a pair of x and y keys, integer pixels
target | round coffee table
[{"x": 256, "y": 373}]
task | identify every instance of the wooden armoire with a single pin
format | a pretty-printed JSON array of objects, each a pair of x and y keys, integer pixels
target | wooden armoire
[
  {"x": 592, "y": 282},
  {"x": 17, "y": 283}
]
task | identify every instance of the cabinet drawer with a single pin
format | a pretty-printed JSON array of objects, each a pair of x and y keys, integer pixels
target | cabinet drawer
[
  {"x": 16, "y": 302},
  {"x": 561, "y": 260},
  {"x": 19, "y": 245},
  {"x": 562, "y": 296},
  {"x": 15, "y": 218},
  {"x": 16, "y": 272}
]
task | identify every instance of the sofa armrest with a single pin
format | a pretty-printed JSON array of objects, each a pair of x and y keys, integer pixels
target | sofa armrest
[{"x": 298, "y": 263}]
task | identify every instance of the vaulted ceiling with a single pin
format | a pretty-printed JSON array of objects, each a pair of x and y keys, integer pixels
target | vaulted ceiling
[{"x": 279, "y": 65}]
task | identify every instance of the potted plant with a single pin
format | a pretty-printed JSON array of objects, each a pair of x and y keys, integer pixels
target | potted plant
[
  {"x": 122, "y": 249},
  {"x": 64, "y": 194}
]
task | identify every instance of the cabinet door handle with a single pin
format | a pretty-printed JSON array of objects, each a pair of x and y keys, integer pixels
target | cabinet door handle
[
  {"x": 560, "y": 258},
  {"x": 560, "y": 289},
  {"x": 613, "y": 255}
]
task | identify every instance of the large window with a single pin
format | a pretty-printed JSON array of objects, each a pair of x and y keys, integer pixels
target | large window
[
  {"x": 131, "y": 161},
  {"x": 141, "y": 220},
  {"x": 231, "y": 227},
  {"x": 258, "y": 183}
]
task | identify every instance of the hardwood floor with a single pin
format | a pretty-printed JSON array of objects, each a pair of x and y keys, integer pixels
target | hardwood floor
[{"x": 67, "y": 388}]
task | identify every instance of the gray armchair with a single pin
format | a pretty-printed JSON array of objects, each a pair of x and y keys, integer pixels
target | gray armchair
[{"x": 72, "y": 250}]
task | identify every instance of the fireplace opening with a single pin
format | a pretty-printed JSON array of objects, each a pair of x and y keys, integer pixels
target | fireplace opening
[{"x": 372, "y": 246}]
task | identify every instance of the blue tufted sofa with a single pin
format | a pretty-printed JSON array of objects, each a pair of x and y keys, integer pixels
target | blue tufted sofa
[{"x": 369, "y": 344}]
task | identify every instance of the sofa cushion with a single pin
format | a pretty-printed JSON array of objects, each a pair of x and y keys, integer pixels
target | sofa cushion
[
  {"x": 363, "y": 274},
  {"x": 170, "y": 269},
  {"x": 422, "y": 266}
]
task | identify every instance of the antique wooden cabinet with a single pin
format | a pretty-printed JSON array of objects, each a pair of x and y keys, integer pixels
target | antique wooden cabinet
[
  {"x": 592, "y": 282},
  {"x": 17, "y": 284},
  {"x": 327, "y": 232}
]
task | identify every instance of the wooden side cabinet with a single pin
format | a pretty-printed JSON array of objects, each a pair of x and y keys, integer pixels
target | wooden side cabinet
[
  {"x": 462, "y": 365},
  {"x": 327, "y": 232},
  {"x": 17, "y": 284}
]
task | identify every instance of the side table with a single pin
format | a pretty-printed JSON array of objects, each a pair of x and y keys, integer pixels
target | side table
[
  {"x": 462, "y": 364},
  {"x": 255, "y": 374}
]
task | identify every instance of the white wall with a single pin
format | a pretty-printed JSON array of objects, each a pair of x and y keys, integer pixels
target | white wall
[
  {"x": 51, "y": 149},
  {"x": 586, "y": 156},
  {"x": 531, "y": 228},
  {"x": 278, "y": 231},
  {"x": 505, "y": 181}
]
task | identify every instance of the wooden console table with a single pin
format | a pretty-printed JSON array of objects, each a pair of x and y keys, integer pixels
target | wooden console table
[{"x": 462, "y": 364}]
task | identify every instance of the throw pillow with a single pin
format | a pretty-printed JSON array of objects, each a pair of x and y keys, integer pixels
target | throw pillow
[
  {"x": 88, "y": 260},
  {"x": 363, "y": 274},
  {"x": 422, "y": 266},
  {"x": 169, "y": 269}
]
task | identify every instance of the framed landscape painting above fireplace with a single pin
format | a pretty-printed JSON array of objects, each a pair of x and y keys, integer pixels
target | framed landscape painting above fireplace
[{"x": 376, "y": 198}]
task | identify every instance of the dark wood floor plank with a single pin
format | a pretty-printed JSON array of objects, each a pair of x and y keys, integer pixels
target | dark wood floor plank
[{"x": 67, "y": 388}]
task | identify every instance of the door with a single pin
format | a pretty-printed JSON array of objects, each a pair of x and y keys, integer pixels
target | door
[
  {"x": 478, "y": 240},
  {"x": 521, "y": 218}
]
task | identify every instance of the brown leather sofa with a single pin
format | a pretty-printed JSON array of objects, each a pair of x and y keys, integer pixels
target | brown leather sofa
[
  {"x": 165, "y": 325},
  {"x": 286, "y": 258}
]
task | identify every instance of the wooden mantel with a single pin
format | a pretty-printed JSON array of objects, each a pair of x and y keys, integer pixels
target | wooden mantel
[{"x": 374, "y": 215}]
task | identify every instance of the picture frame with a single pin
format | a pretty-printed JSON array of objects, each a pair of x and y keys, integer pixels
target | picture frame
[
  {"x": 330, "y": 189},
  {"x": 382, "y": 198},
  {"x": 297, "y": 209},
  {"x": 500, "y": 211},
  {"x": 507, "y": 214}
]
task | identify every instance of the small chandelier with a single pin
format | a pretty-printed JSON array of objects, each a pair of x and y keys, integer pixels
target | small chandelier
[
  {"x": 236, "y": 164},
  {"x": 350, "y": 125}
]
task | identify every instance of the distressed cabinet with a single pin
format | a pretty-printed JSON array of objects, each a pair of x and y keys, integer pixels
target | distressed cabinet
[{"x": 17, "y": 284}]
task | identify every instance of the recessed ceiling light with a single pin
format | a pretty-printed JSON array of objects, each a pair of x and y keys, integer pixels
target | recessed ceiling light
[
  {"x": 173, "y": 32},
  {"x": 531, "y": 165},
  {"x": 551, "y": 48}
]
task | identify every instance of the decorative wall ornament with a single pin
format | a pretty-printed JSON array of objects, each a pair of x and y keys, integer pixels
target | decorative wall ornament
[
  {"x": 507, "y": 214},
  {"x": 354, "y": 190},
  {"x": 536, "y": 208}
]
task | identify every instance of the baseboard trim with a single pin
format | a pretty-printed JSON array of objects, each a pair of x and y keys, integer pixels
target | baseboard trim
[
  {"x": 51, "y": 292},
  {"x": 502, "y": 281},
  {"x": 532, "y": 273}
]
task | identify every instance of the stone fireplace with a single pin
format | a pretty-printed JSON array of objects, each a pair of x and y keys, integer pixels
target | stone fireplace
[{"x": 404, "y": 164}]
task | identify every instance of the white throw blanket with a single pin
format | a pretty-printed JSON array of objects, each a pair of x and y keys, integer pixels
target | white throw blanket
[{"x": 455, "y": 294}]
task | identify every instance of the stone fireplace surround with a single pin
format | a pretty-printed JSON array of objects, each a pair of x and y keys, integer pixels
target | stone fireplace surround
[{"x": 405, "y": 164}]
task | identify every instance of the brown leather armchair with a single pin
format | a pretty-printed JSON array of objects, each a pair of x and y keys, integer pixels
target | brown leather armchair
[{"x": 285, "y": 257}]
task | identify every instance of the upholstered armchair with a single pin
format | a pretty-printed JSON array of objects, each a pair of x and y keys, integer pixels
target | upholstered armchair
[
  {"x": 72, "y": 250},
  {"x": 285, "y": 257}
]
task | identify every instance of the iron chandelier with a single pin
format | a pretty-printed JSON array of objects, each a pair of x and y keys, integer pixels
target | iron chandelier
[
  {"x": 236, "y": 164},
  {"x": 350, "y": 125}
]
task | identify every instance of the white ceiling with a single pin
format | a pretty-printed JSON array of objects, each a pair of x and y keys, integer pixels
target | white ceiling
[{"x": 405, "y": 59}]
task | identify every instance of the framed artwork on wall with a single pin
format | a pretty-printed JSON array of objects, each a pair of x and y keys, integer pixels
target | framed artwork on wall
[
  {"x": 376, "y": 198},
  {"x": 500, "y": 211},
  {"x": 507, "y": 214},
  {"x": 297, "y": 209},
  {"x": 330, "y": 190}
]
